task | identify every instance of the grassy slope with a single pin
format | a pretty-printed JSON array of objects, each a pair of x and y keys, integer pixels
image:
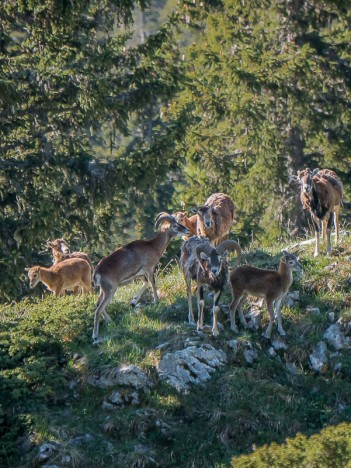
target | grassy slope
[{"x": 45, "y": 345}]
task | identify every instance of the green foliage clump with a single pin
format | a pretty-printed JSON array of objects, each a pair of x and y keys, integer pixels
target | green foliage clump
[
  {"x": 72, "y": 86},
  {"x": 260, "y": 102},
  {"x": 332, "y": 447},
  {"x": 46, "y": 359},
  {"x": 34, "y": 340}
]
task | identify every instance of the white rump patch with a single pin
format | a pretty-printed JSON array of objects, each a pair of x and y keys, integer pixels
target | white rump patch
[{"x": 97, "y": 279}]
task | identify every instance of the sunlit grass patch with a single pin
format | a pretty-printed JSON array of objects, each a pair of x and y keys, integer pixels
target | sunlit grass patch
[{"x": 47, "y": 355}]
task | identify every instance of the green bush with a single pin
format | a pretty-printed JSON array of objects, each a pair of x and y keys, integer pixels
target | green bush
[
  {"x": 332, "y": 447},
  {"x": 35, "y": 338}
]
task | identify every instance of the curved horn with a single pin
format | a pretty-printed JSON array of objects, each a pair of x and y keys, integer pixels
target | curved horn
[
  {"x": 163, "y": 217},
  {"x": 229, "y": 245},
  {"x": 204, "y": 247},
  {"x": 315, "y": 172}
]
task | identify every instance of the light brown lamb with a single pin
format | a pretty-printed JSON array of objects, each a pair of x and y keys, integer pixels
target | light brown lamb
[
  {"x": 190, "y": 223},
  {"x": 270, "y": 284},
  {"x": 64, "y": 275}
]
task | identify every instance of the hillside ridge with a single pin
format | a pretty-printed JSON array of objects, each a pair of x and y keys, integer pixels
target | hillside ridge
[{"x": 155, "y": 392}]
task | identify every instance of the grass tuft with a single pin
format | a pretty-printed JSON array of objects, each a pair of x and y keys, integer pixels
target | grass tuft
[{"x": 46, "y": 356}]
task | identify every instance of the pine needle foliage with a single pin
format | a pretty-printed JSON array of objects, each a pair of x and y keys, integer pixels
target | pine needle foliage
[
  {"x": 267, "y": 93},
  {"x": 71, "y": 83}
]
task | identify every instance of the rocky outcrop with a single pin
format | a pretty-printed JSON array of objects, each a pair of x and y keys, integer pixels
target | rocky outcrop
[
  {"x": 189, "y": 366},
  {"x": 130, "y": 376},
  {"x": 47, "y": 450},
  {"x": 120, "y": 399},
  {"x": 319, "y": 356},
  {"x": 336, "y": 338}
]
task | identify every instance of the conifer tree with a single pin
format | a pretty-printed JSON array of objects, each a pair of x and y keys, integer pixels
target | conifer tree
[
  {"x": 69, "y": 78},
  {"x": 268, "y": 93}
]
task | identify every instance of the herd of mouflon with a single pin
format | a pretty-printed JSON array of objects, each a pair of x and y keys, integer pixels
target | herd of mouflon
[{"x": 203, "y": 257}]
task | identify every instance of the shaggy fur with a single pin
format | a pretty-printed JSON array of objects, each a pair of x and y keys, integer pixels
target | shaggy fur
[
  {"x": 208, "y": 266},
  {"x": 321, "y": 194},
  {"x": 215, "y": 218}
]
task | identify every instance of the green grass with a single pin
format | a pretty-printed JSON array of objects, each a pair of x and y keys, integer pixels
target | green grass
[{"x": 46, "y": 354}]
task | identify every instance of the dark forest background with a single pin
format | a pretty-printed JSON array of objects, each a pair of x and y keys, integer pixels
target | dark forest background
[{"x": 112, "y": 111}]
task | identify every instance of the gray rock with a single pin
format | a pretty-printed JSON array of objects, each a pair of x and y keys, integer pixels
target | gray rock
[
  {"x": 337, "y": 367},
  {"x": 345, "y": 325},
  {"x": 342, "y": 407},
  {"x": 66, "y": 460},
  {"x": 253, "y": 316},
  {"x": 147, "y": 453},
  {"x": 292, "y": 368},
  {"x": 118, "y": 399},
  {"x": 291, "y": 298},
  {"x": 162, "y": 345},
  {"x": 165, "y": 429},
  {"x": 314, "y": 311},
  {"x": 192, "y": 365},
  {"x": 319, "y": 356},
  {"x": 250, "y": 355},
  {"x": 336, "y": 338},
  {"x": 294, "y": 295},
  {"x": 249, "y": 352},
  {"x": 192, "y": 341},
  {"x": 134, "y": 398},
  {"x": 331, "y": 316},
  {"x": 125, "y": 375},
  {"x": 105, "y": 405},
  {"x": 47, "y": 450},
  {"x": 234, "y": 346},
  {"x": 109, "y": 447},
  {"x": 271, "y": 352},
  {"x": 73, "y": 384},
  {"x": 81, "y": 439},
  {"x": 278, "y": 344}
]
